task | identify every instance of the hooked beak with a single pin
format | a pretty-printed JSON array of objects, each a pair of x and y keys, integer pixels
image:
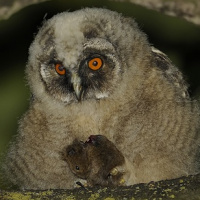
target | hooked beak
[{"x": 76, "y": 82}]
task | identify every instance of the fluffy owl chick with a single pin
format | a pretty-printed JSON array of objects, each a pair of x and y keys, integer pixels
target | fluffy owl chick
[
  {"x": 97, "y": 160},
  {"x": 94, "y": 71}
]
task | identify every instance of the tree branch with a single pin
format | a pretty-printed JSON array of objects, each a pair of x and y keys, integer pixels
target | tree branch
[
  {"x": 9, "y": 7},
  {"x": 186, "y": 9},
  {"x": 181, "y": 188}
]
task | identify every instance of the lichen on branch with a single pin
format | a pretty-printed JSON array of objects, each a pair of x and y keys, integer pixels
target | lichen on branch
[{"x": 180, "y": 188}]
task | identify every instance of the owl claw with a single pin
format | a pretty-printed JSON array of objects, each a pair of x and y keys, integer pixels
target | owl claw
[
  {"x": 117, "y": 175},
  {"x": 122, "y": 181},
  {"x": 114, "y": 172}
]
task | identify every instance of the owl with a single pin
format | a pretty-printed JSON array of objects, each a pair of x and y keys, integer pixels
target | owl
[
  {"x": 91, "y": 161},
  {"x": 93, "y": 71}
]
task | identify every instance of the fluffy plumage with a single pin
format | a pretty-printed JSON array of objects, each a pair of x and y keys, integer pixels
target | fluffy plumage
[{"x": 137, "y": 99}]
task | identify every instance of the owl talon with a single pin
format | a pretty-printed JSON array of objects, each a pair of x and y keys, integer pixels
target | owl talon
[
  {"x": 114, "y": 172},
  {"x": 122, "y": 181}
]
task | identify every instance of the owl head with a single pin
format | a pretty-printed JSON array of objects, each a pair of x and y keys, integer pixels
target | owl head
[{"x": 84, "y": 55}]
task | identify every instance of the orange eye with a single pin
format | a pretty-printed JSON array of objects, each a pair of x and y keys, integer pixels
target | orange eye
[
  {"x": 95, "y": 63},
  {"x": 60, "y": 69}
]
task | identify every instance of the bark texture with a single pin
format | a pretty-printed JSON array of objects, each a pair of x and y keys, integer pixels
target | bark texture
[
  {"x": 9, "y": 7},
  {"x": 182, "y": 188},
  {"x": 186, "y": 9}
]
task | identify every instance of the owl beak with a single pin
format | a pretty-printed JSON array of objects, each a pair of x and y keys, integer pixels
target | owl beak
[
  {"x": 76, "y": 82},
  {"x": 78, "y": 91}
]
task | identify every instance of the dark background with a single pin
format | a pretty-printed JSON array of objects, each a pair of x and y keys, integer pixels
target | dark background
[{"x": 179, "y": 39}]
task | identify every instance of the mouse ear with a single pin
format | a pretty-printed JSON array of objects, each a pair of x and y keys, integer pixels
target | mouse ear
[
  {"x": 71, "y": 152},
  {"x": 83, "y": 144}
]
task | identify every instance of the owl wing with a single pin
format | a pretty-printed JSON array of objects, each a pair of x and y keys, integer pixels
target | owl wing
[{"x": 171, "y": 73}]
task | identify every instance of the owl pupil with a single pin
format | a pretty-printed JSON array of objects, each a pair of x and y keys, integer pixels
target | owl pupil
[
  {"x": 95, "y": 63},
  {"x": 61, "y": 68},
  {"x": 77, "y": 168}
]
